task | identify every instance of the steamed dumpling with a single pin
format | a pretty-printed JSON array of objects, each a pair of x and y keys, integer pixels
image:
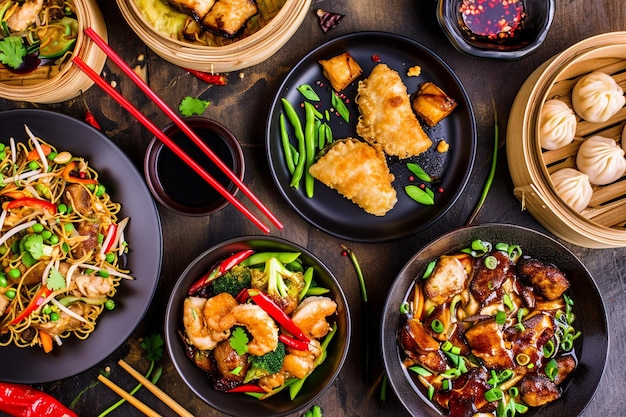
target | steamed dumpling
[
  {"x": 601, "y": 159},
  {"x": 624, "y": 139},
  {"x": 597, "y": 96},
  {"x": 557, "y": 125},
  {"x": 573, "y": 187}
]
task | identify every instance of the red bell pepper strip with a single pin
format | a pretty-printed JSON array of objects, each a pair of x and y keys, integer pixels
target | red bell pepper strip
[
  {"x": 35, "y": 203},
  {"x": 23, "y": 401},
  {"x": 111, "y": 231},
  {"x": 266, "y": 303},
  {"x": 215, "y": 79},
  {"x": 223, "y": 267},
  {"x": 67, "y": 171},
  {"x": 34, "y": 304},
  {"x": 293, "y": 343},
  {"x": 248, "y": 388}
]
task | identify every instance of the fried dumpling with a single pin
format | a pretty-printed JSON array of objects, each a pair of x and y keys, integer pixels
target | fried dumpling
[
  {"x": 386, "y": 114},
  {"x": 359, "y": 172}
]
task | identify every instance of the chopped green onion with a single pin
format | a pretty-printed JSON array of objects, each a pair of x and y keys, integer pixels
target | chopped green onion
[
  {"x": 420, "y": 371},
  {"x": 437, "y": 326},
  {"x": 419, "y": 195},
  {"x": 404, "y": 308},
  {"x": 431, "y": 392},
  {"x": 513, "y": 392},
  {"x": 307, "y": 91},
  {"x": 548, "y": 349},
  {"x": 340, "y": 106},
  {"x": 502, "y": 246},
  {"x": 500, "y": 317},
  {"x": 429, "y": 269},
  {"x": 522, "y": 359},
  {"x": 491, "y": 262},
  {"x": 446, "y": 346},
  {"x": 456, "y": 350},
  {"x": 419, "y": 172},
  {"x": 551, "y": 369},
  {"x": 494, "y": 394},
  {"x": 508, "y": 302}
]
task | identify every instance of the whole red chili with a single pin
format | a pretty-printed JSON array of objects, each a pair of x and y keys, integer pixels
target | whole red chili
[
  {"x": 223, "y": 267},
  {"x": 248, "y": 388},
  {"x": 215, "y": 79},
  {"x": 89, "y": 117},
  {"x": 19, "y": 400},
  {"x": 266, "y": 303},
  {"x": 293, "y": 343}
]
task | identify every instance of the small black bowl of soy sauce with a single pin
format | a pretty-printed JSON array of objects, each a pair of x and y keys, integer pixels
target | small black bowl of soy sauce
[{"x": 176, "y": 185}]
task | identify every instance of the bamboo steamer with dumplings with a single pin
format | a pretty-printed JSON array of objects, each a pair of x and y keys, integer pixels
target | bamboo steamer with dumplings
[
  {"x": 61, "y": 80},
  {"x": 159, "y": 26},
  {"x": 602, "y": 223}
]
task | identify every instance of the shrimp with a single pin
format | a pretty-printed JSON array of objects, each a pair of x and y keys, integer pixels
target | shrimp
[
  {"x": 259, "y": 324},
  {"x": 297, "y": 363},
  {"x": 216, "y": 308},
  {"x": 195, "y": 325},
  {"x": 310, "y": 316},
  {"x": 24, "y": 15}
]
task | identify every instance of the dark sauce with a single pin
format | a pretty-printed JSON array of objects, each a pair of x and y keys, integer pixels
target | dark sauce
[
  {"x": 493, "y": 21},
  {"x": 181, "y": 183}
]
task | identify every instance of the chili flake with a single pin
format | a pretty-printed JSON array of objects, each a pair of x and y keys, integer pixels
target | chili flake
[{"x": 494, "y": 20}]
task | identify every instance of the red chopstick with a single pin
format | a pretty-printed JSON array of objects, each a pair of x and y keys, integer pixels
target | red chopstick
[{"x": 117, "y": 96}]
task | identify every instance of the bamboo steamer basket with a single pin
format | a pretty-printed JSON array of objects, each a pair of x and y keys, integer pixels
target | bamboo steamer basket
[
  {"x": 264, "y": 35},
  {"x": 603, "y": 223},
  {"x": 61, "y": 81}
]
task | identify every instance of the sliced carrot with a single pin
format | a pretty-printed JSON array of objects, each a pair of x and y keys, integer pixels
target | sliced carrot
[
  {"x": 34, "y": 155},
  {"x": 46, "y": 341}
]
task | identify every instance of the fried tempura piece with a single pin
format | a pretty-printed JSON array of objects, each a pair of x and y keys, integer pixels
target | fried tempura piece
[
  {"x": 360, "y": 173},
  {"x": 386, "y": 114}
]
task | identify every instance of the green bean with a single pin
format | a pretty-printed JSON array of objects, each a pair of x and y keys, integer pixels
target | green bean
[
  {"x": 308, "y": 278},
  {"x": 317, "y": 291},
  {"x": 262, "y": 257},
  {"x": 284, "y": 138},
  {"x": 297, "y": 126},
  {"x": 340, "y": 106},
  {"x": 329, "y": 134},
  {"x": 309, "y": 141},
  {"x": 321, "y": 135}
]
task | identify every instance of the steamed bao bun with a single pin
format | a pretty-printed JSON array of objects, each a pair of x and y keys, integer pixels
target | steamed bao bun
[
  {"x": 597, "y": 96},
  {"x": 602, "y": 159},
  {"x": 557, "y": 125}
]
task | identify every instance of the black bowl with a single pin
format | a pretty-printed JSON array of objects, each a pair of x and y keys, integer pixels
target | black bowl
[
  {"x": 531, "y": 34},
  {"x": 591, "y": 348},
  {"x": 240, "y": 404}
]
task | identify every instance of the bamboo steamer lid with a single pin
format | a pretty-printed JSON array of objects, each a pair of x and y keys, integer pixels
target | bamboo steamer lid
[
  {"x": 603, "y": 223},
  {"x": 63, "y": 81},
  {"x": 265, "y": 34}
]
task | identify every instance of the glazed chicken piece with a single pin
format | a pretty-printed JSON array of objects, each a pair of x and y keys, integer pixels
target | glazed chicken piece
[
  {"x": 565, "y": 365},
  {"x": 486, "y": 340},
  {"x": 228, "y": 17},
  {"x": 194, "y": 8},
  {"x": 92, "y": 286},
  {"x": 546, "y": 278},
  {"x": 447, "y": 279},
  {"x": 467, "y": 396},
  {"x": 537, "y": 331},
  {"x": 227, "y": 360},
  {"x": 25, "y": 15},
  {"x": 420, "y": 347},
  {"x": 90, "y": 230},
  {"x": 486, "y": 283},
  {"x": 78, "y": 197},
  {"x": 537, "y": 390}
]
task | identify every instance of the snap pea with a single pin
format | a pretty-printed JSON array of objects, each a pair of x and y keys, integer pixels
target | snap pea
[
  {"x": 308, "y": 278},
  {"x": 419, "y": 195},
  {"x": 284, "y": 138},
  {"x": 262, "y": 257},
  {"x": 297, "y": 126},
  {"x": 310, "y": 145},
  {"x": 340, "y": 106},
  {"x": 317, "y": 291}
]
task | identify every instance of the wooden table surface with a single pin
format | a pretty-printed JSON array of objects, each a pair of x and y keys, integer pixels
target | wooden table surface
[{"x": 243, "y": 106}]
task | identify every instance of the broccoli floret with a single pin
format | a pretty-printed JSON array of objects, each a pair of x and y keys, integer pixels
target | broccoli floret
[
  {"x": 233, "y": 281},
  {"x": 268, "y": 364},
  {"x": 283, "y": 285}
]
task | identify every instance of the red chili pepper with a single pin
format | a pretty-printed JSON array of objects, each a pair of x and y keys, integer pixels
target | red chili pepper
[
  {"x": 215, "y": 79},
  {"x": 248, "y": 388},
  {"x": 23, "y": 401},
  {"x": 293, "y": 343},
  {"x": 67, "y": 171},
  {"x": 224, "y": 266},
  {"x": 35, "y": 203},
  {"x": 275, "y": 312},
  {"x": 34, "y": 304},
  {"x": 89, "y": 117}
]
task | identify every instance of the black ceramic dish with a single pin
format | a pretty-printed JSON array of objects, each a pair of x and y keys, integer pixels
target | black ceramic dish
[
  {"x": 175, "y": 185},
  {"x": 126, "y": 185},
  {"x": 331, "y": 212},
  {"x": 591, "y": 348},
  {"x": 237, "y": 404},
  {"x": 534, "y": 29}
]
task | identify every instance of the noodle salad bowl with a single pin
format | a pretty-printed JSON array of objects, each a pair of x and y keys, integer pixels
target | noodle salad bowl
[
  {"x": 210, "y": 317},
  {"x": 513, "y": 318}
]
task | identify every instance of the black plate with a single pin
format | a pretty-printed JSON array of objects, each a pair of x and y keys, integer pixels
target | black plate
[
  {"x": 328, "y": 210},
  {"x": 126, "y": 185},
  {"x": 591, "y": 348}
]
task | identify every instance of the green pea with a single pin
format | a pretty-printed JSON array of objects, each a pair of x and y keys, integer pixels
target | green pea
[
  {"x": 46, "y": 234},
  {"x": 65, "y": 247},
  {"x": 14, "y": 273},
  {"x": 109, "y": 304},
  {"x": 491, "y": 262},
  {"x": 54, "y": 239},
  {"x": 10, "y": 294},
  {"x": 3, "y": 281},
  {"x": 52, "y": 155},
  {"x": 103, "y": 273},
  {"x": 47, "y": 309},
  {"x": 110, "y": 257},
  {"x": 62, "y": 208},
  {"x": 68, "y": 227},
  {"x": 2, "y": 146},
  {"x": 3, "y": 155},
  {"x": 37, "y": 227},
  {"x": 54, "y": 316},
  {"x": 33, "y": 165},
  {"x": 100, "y": 190},
  {"x": 91, "y": 187}
]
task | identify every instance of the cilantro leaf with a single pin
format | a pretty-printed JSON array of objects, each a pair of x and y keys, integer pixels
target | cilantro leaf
[
  {"x": 239, "y": 341},
  {"x": 153, "y": 345},
  {"x": 191, "y": 105},
  {"x": 12, "y": 51},
  {"x": 33, "y": 244},
  {"x": 55, "y": 281}
]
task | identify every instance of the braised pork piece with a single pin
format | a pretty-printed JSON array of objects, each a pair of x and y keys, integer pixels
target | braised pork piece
[
  {"x": 222, "y": 17},
  {"x": 488, "y": 331}
]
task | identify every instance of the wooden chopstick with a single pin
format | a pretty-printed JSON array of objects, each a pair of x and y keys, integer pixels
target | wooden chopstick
[
  {"x": 132, "y": 400},
  {"x": 169, "y": 401},
  {"x": 117, "y": 96},
  {"x": 101, "y": 43}
]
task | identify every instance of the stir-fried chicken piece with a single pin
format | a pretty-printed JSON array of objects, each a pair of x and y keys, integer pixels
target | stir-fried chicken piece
[
  {"x": 537, "y": 331},
  {"x": 420, "y": 347},
  {"x": 65, "y": 322},
  {"x": 565, "y": 365},
  {"x": 78, "y": 197},
  {"x": 537, "y": 390},
  {"x": 547, "y": 279},
  {"x": 4, "y": 303},
  {"x": 486, "y": 284},
  {"x": 227, "y": 360},
  {"x": 92, "y": 286},
  {"x": 467, "y": 396},
  {"x": 195, "y": 8},
  {"x": 90, "y": 230},
  {"x": 25, "y": 15},
  {"x": 447, "y": 279},
  {"x": 487, "y": 343}
]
